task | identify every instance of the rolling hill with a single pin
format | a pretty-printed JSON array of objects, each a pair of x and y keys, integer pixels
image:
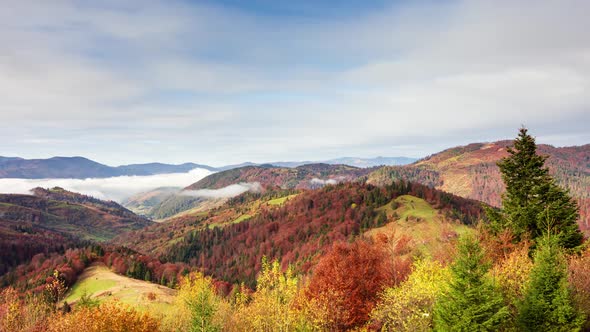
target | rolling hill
[
  {"x": 53, "y": 220},
  {"x": 470, "y": 171}
]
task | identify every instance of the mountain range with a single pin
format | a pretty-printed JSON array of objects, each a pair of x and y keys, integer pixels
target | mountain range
[{"x": 82, "y": 168}]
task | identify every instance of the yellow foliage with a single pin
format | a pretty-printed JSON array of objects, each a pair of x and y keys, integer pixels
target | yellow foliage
[
  {"x": 409, "y": 306},
  {"x": 18, "y": 315},
  {"x": 108, "y": 317},
  {"x": 512, "y": 274},
  {"x": 272, "y": 307},
  {"x": 319, "y": 313},
  {"x": 197, "y": 306}
]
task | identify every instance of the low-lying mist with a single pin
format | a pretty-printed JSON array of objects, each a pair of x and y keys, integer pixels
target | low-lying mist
[
  {"x": 115, "y": 188},
  {"x": 225, "y": 192}
]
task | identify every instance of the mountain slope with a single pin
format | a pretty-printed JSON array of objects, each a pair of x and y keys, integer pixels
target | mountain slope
[
  {"x": 53, "y": 220},
  {"x": 471, "y": 171},
  {"x": 302, "y": 177},
  {"x": 69, "y": 213}
]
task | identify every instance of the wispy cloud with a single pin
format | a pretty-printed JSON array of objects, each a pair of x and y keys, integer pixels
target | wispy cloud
[
  {"x": 323, "y": 182},
  {"x": 226, "y": 192}
]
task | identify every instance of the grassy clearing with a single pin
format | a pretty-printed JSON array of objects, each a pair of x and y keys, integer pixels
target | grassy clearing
[
  {"x": 241, "y": 218},
  {"x": 414, "y": 207},
  {"x": 103, "y": 284},
  {"x": 431, "y": 232},
  {"x": 281, "y": 200},
  {"x": 89, "y": 286}
]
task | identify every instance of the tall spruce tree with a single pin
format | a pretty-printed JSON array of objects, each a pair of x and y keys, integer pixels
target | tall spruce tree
[
  {"x": 471, "y": 303},
  {"x": 533, "y": 205},
  {"x": 547, "y": 304}
]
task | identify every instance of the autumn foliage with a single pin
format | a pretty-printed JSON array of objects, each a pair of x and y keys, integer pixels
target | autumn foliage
[
  {"x": 348, "y": 280},
  {"x": 109, "y": 317}
]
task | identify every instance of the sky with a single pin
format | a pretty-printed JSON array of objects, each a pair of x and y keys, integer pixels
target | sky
[{"x": 222, "y": 82}]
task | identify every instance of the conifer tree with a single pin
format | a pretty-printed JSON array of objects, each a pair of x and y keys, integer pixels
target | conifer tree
[
  {"x": 471, "y": 302},
  {"x": 547, "y": 304},
  {"x": 533, "y": 205}
]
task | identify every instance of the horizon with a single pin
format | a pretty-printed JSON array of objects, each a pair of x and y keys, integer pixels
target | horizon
[
  {"x": 278, "y": 161},
  {"x": 223, "y": 82}
]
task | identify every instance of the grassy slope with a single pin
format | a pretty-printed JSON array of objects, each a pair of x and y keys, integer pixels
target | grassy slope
[
  {"x": 281, "y": 200},
  {"x": 103, "y": 284},
  {"x": 414, "y": 217}
]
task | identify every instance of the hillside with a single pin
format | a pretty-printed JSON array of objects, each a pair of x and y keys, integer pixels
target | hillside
[
  {"x": 470, "y": 171},
  {"x": 102, "y": 284},
  {"x": 54, "y": 220},
  {"x": 158, "y": 238},
  {"x": 229, "y": 242},
  {"x": 82, "y": 168},
  {"x": 302, "y": 177},
  {"x": 20, "y": 241}
]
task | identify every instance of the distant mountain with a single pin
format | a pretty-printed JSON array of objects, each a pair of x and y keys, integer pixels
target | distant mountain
[
  {"x": 350, "y": 161},
  {"x": 470, "y": 171},
  {"x": 81, "y": 168},
  {"x": 309, "y": 176},
  {"x": 159, "y": 168},
  {"x": 372, "y": 162},
  {"x": 228, "y": 167}
]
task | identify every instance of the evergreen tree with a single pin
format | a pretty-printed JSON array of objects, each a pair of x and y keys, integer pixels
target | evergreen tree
[
  {"x": 471, "y": 303},
  {"x": 547, "y": 304},
  {"x": 533, "y": 205}
]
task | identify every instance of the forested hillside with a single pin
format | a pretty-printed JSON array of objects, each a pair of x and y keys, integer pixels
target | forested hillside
[
  {"x": 471, "y": 171},
  {"x": 53, "y": 220}
]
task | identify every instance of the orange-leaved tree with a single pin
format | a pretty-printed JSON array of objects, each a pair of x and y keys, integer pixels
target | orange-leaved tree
[{"x": 347, "y": 280}]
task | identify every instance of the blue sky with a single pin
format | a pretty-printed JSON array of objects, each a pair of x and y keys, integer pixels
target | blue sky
[{"x": 221, "y": 82}]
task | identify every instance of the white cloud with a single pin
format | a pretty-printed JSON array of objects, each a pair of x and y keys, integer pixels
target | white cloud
[
  {"x": 226, "y": 192},
  {"x": 322, "y": 182},
  {"x": 114, "y": 188}
]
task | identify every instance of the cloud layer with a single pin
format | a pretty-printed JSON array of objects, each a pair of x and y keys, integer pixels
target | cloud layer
[
  {"x": 226, "y": 192},
  {"x": 115, "y": 188},
  {"x": 218, "y": 84}
]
